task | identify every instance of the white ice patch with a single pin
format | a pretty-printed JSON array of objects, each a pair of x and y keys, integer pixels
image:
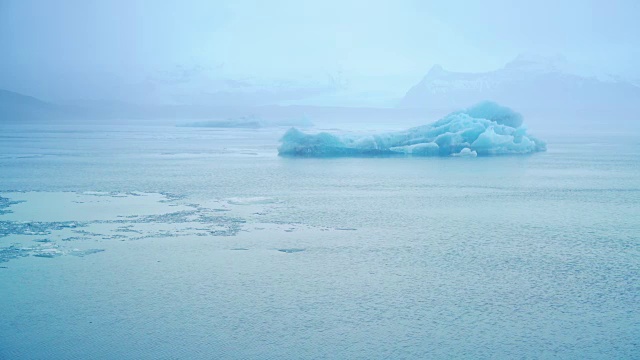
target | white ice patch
[
  {"x": 466, "y": 152},
  {"x": 258, "y": 200}
]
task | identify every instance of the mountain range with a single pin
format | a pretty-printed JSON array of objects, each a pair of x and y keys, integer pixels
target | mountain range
[
  {"x": 544, "y": 90},
  {"x": 537, "y": 87}
]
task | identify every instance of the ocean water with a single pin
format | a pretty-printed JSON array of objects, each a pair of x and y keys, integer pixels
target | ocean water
[{"x": 159, "y": 242}]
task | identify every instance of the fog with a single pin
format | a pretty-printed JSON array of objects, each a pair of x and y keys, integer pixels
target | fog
[
  {"x": 319, "y": 179},
  {"x": 335, "y": 53}
]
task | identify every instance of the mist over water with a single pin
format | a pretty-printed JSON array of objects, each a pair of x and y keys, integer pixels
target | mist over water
[{"x": 156, "y": 204}]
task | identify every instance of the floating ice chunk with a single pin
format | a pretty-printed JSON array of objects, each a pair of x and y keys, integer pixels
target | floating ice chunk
[
  {"x": 258, "y": 200},
  {"x": 82, "y": 253},
  {"x": 485, "y": 129},
  {"x": 466, "y": 152},
  {"x": 291, "y": 250},
  {"x": 249, "y": 122},
  {"x": 47, "y": 253}
]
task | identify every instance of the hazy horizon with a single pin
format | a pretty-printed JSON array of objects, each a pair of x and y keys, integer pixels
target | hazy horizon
[{"x": 353, "y": 53}]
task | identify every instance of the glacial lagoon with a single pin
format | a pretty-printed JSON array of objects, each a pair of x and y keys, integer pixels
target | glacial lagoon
[{"x": 158, "y": 242}]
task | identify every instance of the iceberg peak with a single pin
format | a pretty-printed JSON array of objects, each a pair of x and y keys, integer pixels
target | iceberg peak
[{"x": 492, "y": 111}]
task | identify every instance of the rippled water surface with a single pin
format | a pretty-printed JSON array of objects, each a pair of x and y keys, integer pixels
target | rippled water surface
[{"x": 163, "y": 242}]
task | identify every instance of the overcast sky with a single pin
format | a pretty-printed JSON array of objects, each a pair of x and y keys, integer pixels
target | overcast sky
[{"x": 69, "y": 49}]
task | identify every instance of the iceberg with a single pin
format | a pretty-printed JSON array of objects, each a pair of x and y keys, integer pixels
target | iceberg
[
  {"x": 482, "y": 130},
  {"x": 249, "y": 122}
]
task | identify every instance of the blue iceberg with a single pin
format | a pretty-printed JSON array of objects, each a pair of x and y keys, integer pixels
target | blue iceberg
[{"x": 482, "y": 130}]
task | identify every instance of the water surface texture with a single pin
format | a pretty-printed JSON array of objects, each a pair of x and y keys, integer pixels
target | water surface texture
[{"x": 163, "y": 242}]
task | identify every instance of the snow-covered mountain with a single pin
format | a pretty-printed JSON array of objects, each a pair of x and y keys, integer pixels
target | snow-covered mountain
[{"x": 536, "y": 86}]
